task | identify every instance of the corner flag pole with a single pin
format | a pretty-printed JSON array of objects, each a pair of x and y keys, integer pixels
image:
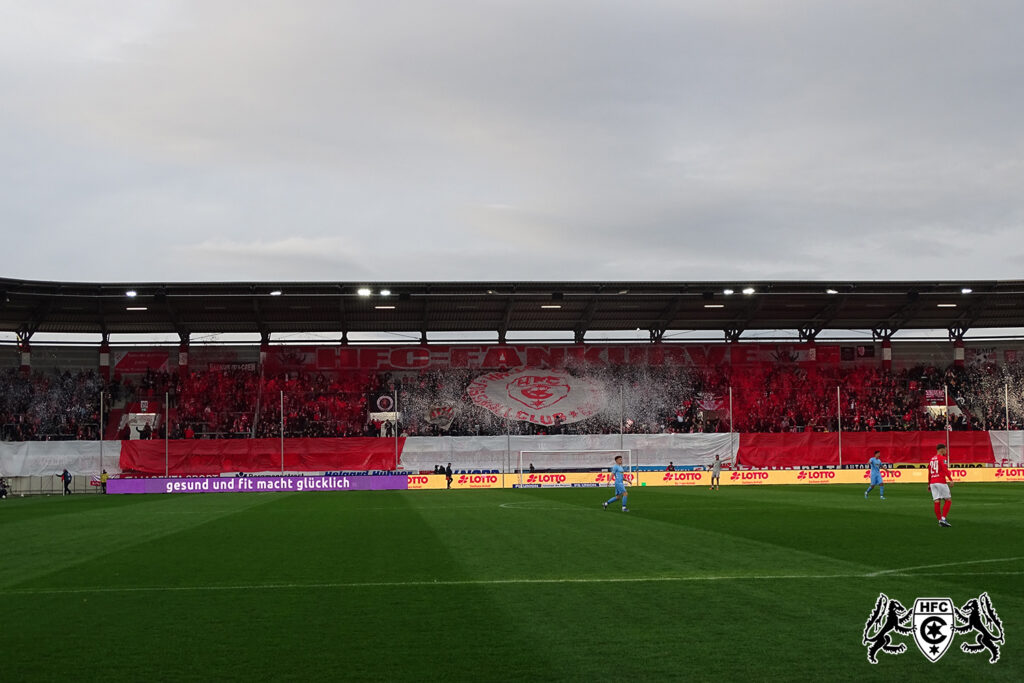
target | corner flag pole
[
  {"x": 101, "y": 425},
  {"x": 1006, "y": 402},
  {"x": 734, "y": 452},
  {"x": 945, "y": 391},
  {"x": 839, "y": 415},
  {"x": 167, "y": 417},
  {"x": 282, "y": 432},
  {"x": 622, "y": 417},
  {"x": 396, "y": 427}
]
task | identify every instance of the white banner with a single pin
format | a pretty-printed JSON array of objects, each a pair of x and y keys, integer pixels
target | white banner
[
  {"x": 501, "y": 452},
  {"x": 1007, "y": 447},
  {"x": 543, "y": 397},
  {"x": 47, "y": 458}
]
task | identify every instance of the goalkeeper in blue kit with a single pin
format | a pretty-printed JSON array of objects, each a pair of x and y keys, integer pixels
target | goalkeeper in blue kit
[{"x": 620, "y": 484}]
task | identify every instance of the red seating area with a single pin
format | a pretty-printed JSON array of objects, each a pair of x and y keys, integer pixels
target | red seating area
[
  {"x": 315, "y": 405},
  {"x": 767, "y": 398},
  {"x": 787, "y": 398}
]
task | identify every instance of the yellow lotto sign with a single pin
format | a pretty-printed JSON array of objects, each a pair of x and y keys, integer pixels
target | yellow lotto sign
[
  {"x": 426, "y": 481},
  {"x": 479, "y": 481},
  {"x": 686, "y": 478},
  {"x": 769, "y": 477},
  {"x": 703, "y": 478},
  {"x": 537, "y": 480},
  {"x": 989, "y": 474},
  {"x": 419, "y": 482},
  {"x": 748, "y": 477}
]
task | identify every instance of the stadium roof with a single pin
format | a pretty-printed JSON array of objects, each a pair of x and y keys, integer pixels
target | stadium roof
[{"x": 27, "y": 306}]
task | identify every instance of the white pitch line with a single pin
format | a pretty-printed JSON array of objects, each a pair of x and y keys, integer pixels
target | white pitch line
[
  {"x": 961, "y": 574},
  {"x": 473, "y": 582},
  {"x": 944, "y": 564},
  {"x": 539, "y": 505},
  {"x": 407, "y": 584}
]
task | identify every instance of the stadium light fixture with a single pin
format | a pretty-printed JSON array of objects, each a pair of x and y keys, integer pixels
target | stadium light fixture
[
  {"x": 276, "y": 292},
  {"x": 131, "y": 293},
  {"x": 748, "y": 290},
  {"x": 831, "y": 291},
  {"x": 966, "y": 290},
  {"x": 946, "y": 305},
  {"x": 714, "y": 305},
  {"x": 364, "y": 291},
  {"x": 385, "y": 292},
  {"x": 136, "y": 308},
  {"x": 727, "y": 292},
  {"x": 385, "y": 308},
  {"x": 551, "y": 305}
]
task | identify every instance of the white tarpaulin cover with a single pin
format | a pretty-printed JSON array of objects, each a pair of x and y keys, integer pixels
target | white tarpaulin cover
[
  {"x": 47, "y": 458},
  {"x": 499, "y": 452},
  {"x": 1007, "y": 447}
]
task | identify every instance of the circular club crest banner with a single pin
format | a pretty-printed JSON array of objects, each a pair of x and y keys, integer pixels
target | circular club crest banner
[{"x": 538, "y": 396}]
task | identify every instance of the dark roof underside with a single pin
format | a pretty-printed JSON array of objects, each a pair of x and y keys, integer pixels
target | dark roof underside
[{"x": 29, "y": 306}]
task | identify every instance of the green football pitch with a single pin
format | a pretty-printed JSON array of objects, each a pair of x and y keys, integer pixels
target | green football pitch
[{"x": 757, "y": 583}]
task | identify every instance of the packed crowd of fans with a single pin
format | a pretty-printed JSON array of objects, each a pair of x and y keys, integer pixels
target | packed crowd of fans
[
  {"x": 316, "y": 405},
  {"x": 240, "y": 403},
  {"x": 54, "y": 407}
]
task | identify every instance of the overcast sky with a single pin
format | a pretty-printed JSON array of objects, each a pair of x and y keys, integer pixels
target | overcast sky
[{"x": 480, "y": 139}]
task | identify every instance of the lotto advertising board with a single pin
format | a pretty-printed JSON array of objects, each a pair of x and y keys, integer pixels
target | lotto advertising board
[
  {"x": 822, "y": 476},
  {"x": 993, "y": 474},
  {"x": 302, "y": 484},
  {"x": 770, "y": 477},
  {"x": 418, "y": 482},
  {"x": 544, "y": 480},
  {"x": 676, "y": 478},
  {"x": 703, "y": 478}
]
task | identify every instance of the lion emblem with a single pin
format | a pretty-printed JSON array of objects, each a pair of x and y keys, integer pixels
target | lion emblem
[
  {"x": 888, "y": 616},
  {"x": 980, "y": 616}
]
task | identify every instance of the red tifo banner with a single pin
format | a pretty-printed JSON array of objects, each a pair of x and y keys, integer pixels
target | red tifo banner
[
  {"x": 214, "y": 456},
  {"x": 513, "y": 356},
  {"x": 810, "y": 449}
]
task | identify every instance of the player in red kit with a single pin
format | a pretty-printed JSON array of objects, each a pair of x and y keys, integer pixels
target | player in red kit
[{"x": 939, "y": 482}]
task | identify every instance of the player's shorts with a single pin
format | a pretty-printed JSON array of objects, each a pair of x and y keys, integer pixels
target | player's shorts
[
  {"x": 716, "y": 475},
  {"x": 876, "y": 480},
  {"x": 939, "y": 491},
  {"x": 620, "y": 489}
]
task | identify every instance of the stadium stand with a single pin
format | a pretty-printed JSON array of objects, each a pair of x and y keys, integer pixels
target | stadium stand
[
  {"x": 768, "y": 398},
  {"x": 57, "y": 407}
]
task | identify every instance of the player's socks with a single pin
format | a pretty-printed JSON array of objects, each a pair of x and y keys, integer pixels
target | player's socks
[
  {"x": 945, "y": 508},
  {"x": 624, "y": 502},
  {"x": 612, "y": 500},
  {"x": 868, "y": 491},
  {"x": 938, "y": 510},
  {"x": 881, "y": 490}
]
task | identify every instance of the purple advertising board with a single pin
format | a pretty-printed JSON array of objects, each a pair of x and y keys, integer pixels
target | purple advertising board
[{"x": 254, "y": 484}]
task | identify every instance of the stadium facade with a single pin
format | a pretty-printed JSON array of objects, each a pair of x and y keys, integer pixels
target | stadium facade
[{"x": 499, "y": 387}]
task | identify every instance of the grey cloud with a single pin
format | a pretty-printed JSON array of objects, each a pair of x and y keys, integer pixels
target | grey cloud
[{"x": 653, "y": 139}]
